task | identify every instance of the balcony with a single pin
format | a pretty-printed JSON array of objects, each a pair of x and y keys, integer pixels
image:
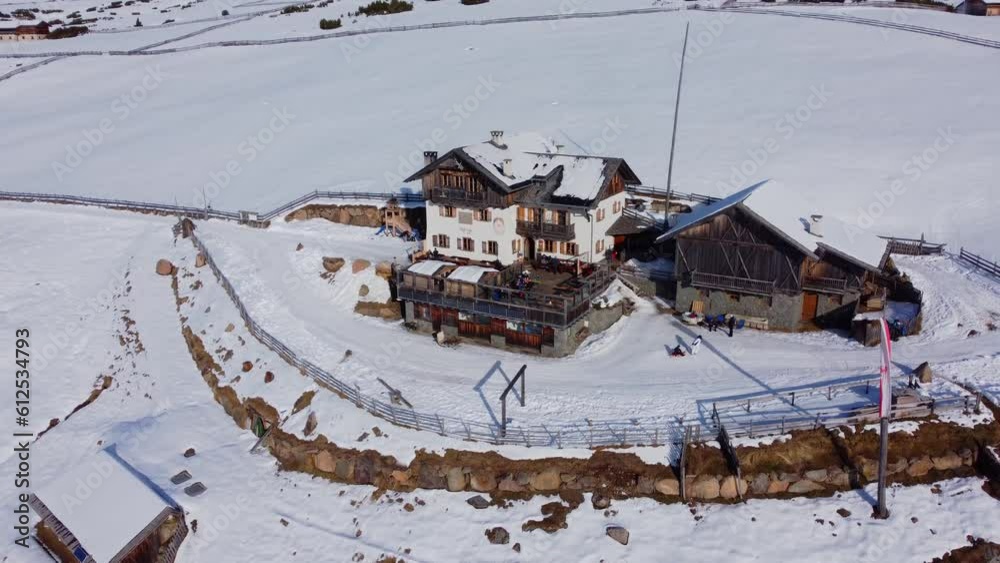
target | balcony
[
  {"x": 825, "y": 285},
  {"x": 546, "y": 231},
  {"x": 731, "y": 283},
  {"x": 464, "y": 198}
]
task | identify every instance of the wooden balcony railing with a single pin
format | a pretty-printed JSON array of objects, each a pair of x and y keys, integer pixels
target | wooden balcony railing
[
  {"x": 732, "y": 283},
  {"x": 465, "y": 198},
  {"x": 503, "y": 302},
  {"x": 546, "y": 231},
  {"x": 825, "y": 285}
]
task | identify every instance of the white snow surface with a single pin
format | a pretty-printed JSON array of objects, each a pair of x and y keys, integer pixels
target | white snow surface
[
  {"x": 159, "y": 406},
  {"x": 105, "y": 518},
  {"x": 428, "y": 267},
  {"x": 531, "y": 156},
  {"x": 861, "y": 135},
  {"x": 783, "y": 209}
]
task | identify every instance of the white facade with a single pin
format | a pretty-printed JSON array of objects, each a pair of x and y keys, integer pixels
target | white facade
[{"x": 591, "y": 239}]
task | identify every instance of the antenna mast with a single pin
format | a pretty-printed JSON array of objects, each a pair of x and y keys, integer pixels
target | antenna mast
[{"x": 677, "y": 106}]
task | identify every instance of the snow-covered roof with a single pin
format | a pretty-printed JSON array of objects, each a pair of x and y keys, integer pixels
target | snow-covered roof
[
  {"x": 103, "y": 504},
  {"x": 894, "y": 311},
  {"x": 532, "y": 155},
  {"x": 428, "y": 267},
  {"x": 470, "y": 274},
  {"x": 789, "y": 214}
]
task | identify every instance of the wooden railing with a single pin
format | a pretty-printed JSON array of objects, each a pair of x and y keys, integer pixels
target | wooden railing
[
  {"x": 913, "y": 247},
  {"x": 992, "y": 268},
  {"x": 732, "y": 283},
  {"x": 825, "y": 285},
  {"x": 547, "y": 231},
  {"x": 464, "y": 198}
]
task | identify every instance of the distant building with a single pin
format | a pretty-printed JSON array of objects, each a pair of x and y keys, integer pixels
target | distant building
[
  {"x": 979, "y": 7},
  {"x": 761, "y": 255},
  {"x": 521, "y": 197},
  {"x": 102, "y": 511},
  {"x": 25, "y": 32}
]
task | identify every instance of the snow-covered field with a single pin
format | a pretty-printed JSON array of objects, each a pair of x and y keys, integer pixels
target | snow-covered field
[
  {"x": 284, "y": 292},
  {"x": 854, "y": 112},
  {"x": 159, "y": 406},
  {"x": 866, "y": 110}
]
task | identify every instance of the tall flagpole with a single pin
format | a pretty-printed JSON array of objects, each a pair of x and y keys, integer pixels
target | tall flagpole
[
  {"x": 677, "y": 107},
  {"x": 885, "y": 404}
]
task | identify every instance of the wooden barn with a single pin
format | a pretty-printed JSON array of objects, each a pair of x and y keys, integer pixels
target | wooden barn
[
  {"x": 103, "y": 511},
  {"x": 762, "y": 255}
]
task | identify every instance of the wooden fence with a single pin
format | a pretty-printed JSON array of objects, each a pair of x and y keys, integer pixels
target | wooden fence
[
  {"x": 991, "y": 268},
  {"x": 586, "y": 433},
  {"x": 914, "y": 247}
]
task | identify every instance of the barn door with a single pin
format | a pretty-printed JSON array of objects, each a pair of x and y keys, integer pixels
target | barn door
[{"x": 810, "y": 303}]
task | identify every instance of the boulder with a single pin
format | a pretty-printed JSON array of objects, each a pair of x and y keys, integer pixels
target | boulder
[
  {"x": 363, "y": 291},
  {"x": 668, "y": 486},
  {"x": 705, "y": 487},
  {"x": 189, "y": 452},
  {"x": 483, "y": 481},
  {"x": 478, "y": 502},
  {"x": 804, "y": 486},
  {"x": 230, "y": 327},
  {"x": 456, "y": 479},
  {"x": 777, "y": 486},
  {"x": 498, "y": 536},
  {"x": 200, "y": 261},
  {"x": 509, "y": 485},
  {"x": 360, "y": 265},
  {"x": 247, "y": 366},
  {"x": 759, "y": 484},
  {"x": 344, "y": 469},
  {"x": 401, "y": 477},
  {"x": 839, "y": 478},
  {"x": 924, "y": 373},
  {"x": 869, "y": 469},
  {"x": 732, "y": 487},
  {"x": 164, "y": 267},
  {"x": 332, "y": 265},
  {"x": 600, "y": 501},
  {"x": 817, "y": 475},
  {"x": 311, "y": 423},
  {"x": 268, "y": 377},
  {"x": 949, "y": 461},
  {"x": 384, "y": 270},
  {"x": 920, "y": 467},
  {"x": 644, "y": 486},
  {"x": 324, "y": 462},
  {"x": 547, "y": 480},
  {"x": 618, "y": 533},
  {"x": 299, "y": 247}
]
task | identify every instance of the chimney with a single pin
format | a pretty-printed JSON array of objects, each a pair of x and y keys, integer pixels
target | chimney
[
  {"x": 429, "y": 157},
  {"x": 816, "y": 225},
  {"x": 496, "y": 137},
  {"x": 508, "y": 168}
]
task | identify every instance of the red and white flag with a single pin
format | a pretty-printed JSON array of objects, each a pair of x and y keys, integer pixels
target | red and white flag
[{"x": 885, "y": 386}]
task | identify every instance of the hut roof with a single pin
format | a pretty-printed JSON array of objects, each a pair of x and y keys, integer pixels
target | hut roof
[
  {"x": 470, "y": 274},
  {"x": 787, "y": 214},
  {"x": 428, "y": 267},
  {"x": 104, "y": 503}
]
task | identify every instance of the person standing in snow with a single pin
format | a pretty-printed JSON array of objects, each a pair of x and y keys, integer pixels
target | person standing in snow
[
  {"x": 695, "y": 345},
  {"x": 732, "y": 325}
]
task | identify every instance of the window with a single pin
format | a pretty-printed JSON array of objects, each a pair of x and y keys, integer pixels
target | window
[
  {"x": 600, "y": 214},
  {"x": 447, "y": 211},
  {"x": 616, "y": 208},
  {"x": 467, "y": 244},
  {"x": 570, "y": 249},
  {"x": 491, "y": 247},
  {"x": 515, "y": 246},
  {"x": 483, "y": 215},
  {"x": 440, "y": 241},
  {"x": 548, "y": 245},
  {"x": 599, "y": 247}
]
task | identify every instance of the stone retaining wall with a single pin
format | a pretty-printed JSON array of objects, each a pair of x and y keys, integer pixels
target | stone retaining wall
[{"x": 811, "y": 463}]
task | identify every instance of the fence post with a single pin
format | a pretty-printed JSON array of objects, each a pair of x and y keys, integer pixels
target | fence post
[
  {"x": 441, "y": 424},
  {"x": 979, "y": 400},
  {"x": 357, "y": 389}
]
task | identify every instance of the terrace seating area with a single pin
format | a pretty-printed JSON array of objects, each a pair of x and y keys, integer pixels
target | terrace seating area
[{"x": 548, "y": 292}]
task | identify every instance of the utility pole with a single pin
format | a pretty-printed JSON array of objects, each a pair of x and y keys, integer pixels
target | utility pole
[
  {"x": 885, "y": 407},
  {"x": 677, "y": 107}
]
